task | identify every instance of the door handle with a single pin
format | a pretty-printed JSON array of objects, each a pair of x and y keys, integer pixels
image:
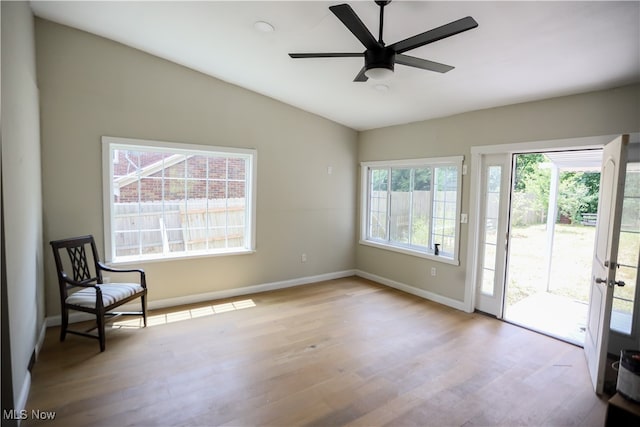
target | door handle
[{"x": 610, "y": 283}]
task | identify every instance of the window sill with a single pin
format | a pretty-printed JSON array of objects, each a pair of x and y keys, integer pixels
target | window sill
[
  {"x": 407, "y": 251},
  {"x": 177, "y": 257}
]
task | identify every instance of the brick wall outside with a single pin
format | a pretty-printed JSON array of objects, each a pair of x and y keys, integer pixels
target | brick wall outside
[{"x": 205, "y": 177}]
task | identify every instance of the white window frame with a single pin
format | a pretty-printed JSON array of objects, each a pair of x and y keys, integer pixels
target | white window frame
[
  {"x": 366, "y": 167},
  {"x": 110, "y": 144}
]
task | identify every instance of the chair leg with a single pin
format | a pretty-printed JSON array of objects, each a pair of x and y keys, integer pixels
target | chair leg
[
  {"x": 100, "y": 321},
  {"x": 65, "y": 323},
  {"x": 144, "y": 310}
]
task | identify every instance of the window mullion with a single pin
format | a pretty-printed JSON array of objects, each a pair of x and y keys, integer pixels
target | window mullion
[
  {"x": 388, "y": 230},
  {"x": 206, "y": 203},
  {"x": 411, "y": 187},
  {"x": 165, "y": 248},
  {"x": 186, "y": 205},
  {"x": 226, "y": 204},
  {"x": 368, "y": 201},
  {"x": 432, "y": 195},
  {"x": 139, "y": 184}
]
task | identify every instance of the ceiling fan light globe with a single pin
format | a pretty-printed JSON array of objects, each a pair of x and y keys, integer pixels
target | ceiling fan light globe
[{"x": 379, "y": 73}]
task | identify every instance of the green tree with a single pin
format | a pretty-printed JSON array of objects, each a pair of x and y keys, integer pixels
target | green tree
[
  {"x": 380, "y": 179},
  {"x": 592, "y": 181},
  {"x": 573, "y": 195},
  {"x": 526, "y": 165},
  {"x": 578, "y": 192},
  {"x": 401, "y": 180},
  {"x": 537, "y": 181}
]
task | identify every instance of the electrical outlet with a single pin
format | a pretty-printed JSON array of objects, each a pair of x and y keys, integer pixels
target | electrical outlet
[
  {"x": 303, "y": 257},
  {"x": 433, "y": 271}
]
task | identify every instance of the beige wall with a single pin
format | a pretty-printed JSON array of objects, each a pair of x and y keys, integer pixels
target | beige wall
[
  {"x": 92, "y": 87},
  {"x": 21, "y": 195},
  {"x": 598, "y": 113}
]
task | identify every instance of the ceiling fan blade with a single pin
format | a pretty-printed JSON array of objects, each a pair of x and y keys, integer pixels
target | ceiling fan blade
[
  {"x": 326, "y": 55},
  {"x": 423, "y": 64},
  {"x": 447, "y": 30},
  {"x": 355, "y": 25},
  {"x": 361, "y": 77}
]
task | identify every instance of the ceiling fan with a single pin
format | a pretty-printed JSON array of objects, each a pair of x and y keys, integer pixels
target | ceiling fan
[{"x": 379, "y": 59}]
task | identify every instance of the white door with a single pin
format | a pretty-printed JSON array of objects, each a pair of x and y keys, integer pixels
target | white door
[
  {"x": 625, "y": 314},
  {"x": 493, "y": 233},
  {"x": 605, "y": 258}
]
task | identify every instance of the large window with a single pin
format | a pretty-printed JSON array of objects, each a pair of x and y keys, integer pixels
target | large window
[
  {"x": 413, "y": 206},
  {"x": 166, "y": 200}
]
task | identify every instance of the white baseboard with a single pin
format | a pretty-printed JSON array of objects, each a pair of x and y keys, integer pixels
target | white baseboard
[
  {"x": 21, "y": 403},
  {"x": 230, "y": 293},
  {"x": 210, "y": 296},
  {"x": 43, "y": 332},
  {"x": 450, "y": 302},
  {"x": 74, "y": 317}
]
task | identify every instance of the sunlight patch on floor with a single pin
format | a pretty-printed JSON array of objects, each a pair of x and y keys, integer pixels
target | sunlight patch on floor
[
  {"x": 551, "y": 314},
  {"x": 180, "y": 315}
]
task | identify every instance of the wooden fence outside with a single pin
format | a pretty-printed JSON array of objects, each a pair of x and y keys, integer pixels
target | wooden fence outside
[
  {"x": 173, "y": 226},
  {"x": 400, "y": 207}
]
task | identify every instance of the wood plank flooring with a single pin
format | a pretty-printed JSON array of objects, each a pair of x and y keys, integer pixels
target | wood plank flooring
[{"x": 342, "y": 352}]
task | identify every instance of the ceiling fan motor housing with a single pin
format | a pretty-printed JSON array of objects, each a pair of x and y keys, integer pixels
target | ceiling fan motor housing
[{"x": 379, "y": 58}]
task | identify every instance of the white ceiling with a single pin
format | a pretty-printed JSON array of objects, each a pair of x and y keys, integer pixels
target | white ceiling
[{"x": 521, "y": 51}]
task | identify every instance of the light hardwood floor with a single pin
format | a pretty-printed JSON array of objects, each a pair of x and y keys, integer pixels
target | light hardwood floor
[{"x": 342, "y": 352}]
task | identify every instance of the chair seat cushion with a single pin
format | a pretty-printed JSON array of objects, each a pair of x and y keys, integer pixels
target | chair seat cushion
[{"x": 111, "y": 293}]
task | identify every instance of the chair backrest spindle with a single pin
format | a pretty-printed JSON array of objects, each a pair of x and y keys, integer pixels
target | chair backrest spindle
[{"x": 78, "y": 257}]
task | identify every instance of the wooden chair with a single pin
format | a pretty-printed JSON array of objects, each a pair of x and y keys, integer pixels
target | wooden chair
[{"x": 79, "y": 268}]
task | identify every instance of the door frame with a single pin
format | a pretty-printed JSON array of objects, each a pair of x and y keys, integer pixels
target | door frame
[
  {"x": 494, "y": 304},
  {"x": 475, "y": 200}
]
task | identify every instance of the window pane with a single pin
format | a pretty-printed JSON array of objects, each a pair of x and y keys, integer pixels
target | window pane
[
  {"x": 490, "y": 256},
  {"x": 420, "y": 218},
  {"x": 378, "y": 204},
  {"x": 491, "y": 214},
  {"x": 237, "y": 169},
  {"x": 127, "y": 243},
  {"x": 151, "y": 241},
  {"x": 197, "y": 167},
  {"x": 422, "y": 179},
  {"x": 400, "y": 205},
  {"x": 488, "y": 280},
  {"x": 444, "y": 208},
  {"x": 217, "y": 168}
]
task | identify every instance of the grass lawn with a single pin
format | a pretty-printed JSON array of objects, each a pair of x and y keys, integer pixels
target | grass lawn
[{"x": 570, "y": 266}]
